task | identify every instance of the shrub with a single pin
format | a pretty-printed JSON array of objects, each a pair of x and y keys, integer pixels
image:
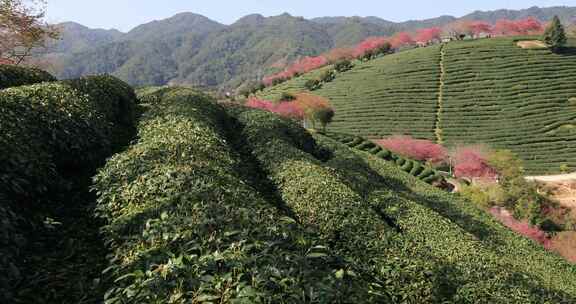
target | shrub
[
  {"x": 384, "y": 154},
  {"x": 342, "y": 66},
  {"x": 312, "y": 84},
  {"x": 407, "y": 166},
  {"x": 366, "y": 145},
  {"x": 324, "y": 116},
  {"x": 315, "y": 108},
  {"x": 417, "y": 168},
  {"x": 287, "y": 96},
  {"x": 485, "y": 195},
  {"x": 327, "y": 76},
  {"x": 555, "y": 35},
  {"x": 12, "y": 76}
]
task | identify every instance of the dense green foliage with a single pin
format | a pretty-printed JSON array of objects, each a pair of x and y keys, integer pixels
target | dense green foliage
[
  {"x": 555, "y": 35},
  {"x": 184, "y": 224},
  {"x": 113, "y": 98},
  {"x": 345, "y": 195},
  {"x": 52, "y": 137},
  {"x": 494, "y": 92},
  {"x": 47, "y": 130},
  {"x": 224, "y": 203},
  {"x": 13, "y": 76}
]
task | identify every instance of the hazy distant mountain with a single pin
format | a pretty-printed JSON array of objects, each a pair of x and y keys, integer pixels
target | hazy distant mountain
[
  {"x": 76, "y": 37},
  {"x": 192, "y": 49},
  {"x": 566, "y": 14}
]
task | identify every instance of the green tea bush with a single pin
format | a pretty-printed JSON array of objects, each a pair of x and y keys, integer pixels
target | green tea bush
[
  {"x": 323, "y": 200},
  {"x": 151, "y": 95},
  {"x": 113, "y": 98},
  {"x": 13, "y": 76},
  {"x": 52, "y": 137},
  {"x": 185, "y": 227},
  {"x": 47, "y": 130},
  {"x": 454, "y": 235}
]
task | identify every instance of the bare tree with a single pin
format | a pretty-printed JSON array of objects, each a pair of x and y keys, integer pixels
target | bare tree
[{"x": 23, "y": 31}]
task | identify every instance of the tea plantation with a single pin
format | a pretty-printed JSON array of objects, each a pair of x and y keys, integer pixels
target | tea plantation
[
  {"x": 487, "y": 91},
  {"x": 217, "y": 203}
]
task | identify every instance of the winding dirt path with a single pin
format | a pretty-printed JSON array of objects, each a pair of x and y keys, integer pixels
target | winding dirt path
[
  {"x": 553, "y": 178},
  {"x": 438, "y": 121}
]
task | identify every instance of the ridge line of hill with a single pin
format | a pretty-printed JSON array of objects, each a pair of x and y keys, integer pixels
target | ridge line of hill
[{"x": 438, "y": 120}]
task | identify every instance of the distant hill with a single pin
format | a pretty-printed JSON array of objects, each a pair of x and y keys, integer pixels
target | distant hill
[
  {"x": 76, "y": 37},
  {"x": 190, "y": 49},
  {"x": 566, "y": 14},
  {"x": 493, "y": 93}
]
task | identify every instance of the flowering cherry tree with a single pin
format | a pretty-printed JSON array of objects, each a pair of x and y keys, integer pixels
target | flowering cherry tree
[
  {"x": 369, "y": 44},
  {"x": 428, "y": 35},
  {"x": 418, "y": 149},
  {"x": 472, "y": 162}
]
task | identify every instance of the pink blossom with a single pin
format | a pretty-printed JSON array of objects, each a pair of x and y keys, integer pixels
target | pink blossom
[
  {"x": 369, "y": 44},
  {"x": 471, "y": 162},
  {"x": 428, "y": 35},
  {"x": 418, "y": 149},
  {"x": 521, "y": 227},
  {"x": 401, "y": 39},
  {"x": 286, "y": 109}
]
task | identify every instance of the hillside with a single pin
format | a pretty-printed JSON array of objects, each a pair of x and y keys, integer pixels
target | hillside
[
  {"x": 343, "y": 222},
  {"x": 493, "y": 92},
  {"x": 190, "y": 49},
  {"x": 215, "y": 202}
]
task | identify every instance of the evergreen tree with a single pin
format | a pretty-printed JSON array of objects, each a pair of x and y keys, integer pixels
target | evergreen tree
[{"x": 555, "y": 35}]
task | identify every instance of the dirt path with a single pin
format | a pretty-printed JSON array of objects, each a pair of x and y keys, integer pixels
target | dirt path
[
  {"x": 438, "y": 121},
  {"x": 562, "y": 187},
  {"x": 553, "y": 178}
]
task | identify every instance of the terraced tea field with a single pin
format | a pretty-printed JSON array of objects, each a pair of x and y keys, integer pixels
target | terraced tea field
[
  {"x": 492, "y": 92},
  {"x": 370, "y": 100},
  {"x": 510, "y": 97}
]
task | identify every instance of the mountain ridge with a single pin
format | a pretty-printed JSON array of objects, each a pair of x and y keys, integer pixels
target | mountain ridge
[{"x": 191, "y": 49}]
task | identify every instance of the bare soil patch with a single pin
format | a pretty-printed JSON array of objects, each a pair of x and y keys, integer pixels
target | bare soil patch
[{"x": 532, "y": 44}]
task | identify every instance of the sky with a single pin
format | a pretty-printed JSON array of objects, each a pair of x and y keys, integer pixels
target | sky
[{"x": 126, "y": 14}]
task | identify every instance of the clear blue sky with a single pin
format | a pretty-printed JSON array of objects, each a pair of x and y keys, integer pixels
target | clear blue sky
[{"x": 126, "y": 14}]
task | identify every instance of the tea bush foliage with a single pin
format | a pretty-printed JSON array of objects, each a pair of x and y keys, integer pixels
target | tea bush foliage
[
  {"x": 372, "y": 213},
  {"x": 13, "y": 76},
  {"x": 52, "y": 136},
  {"x": 185, "y": 226}
]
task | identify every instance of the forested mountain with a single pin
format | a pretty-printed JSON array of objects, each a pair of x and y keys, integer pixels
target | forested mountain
[
  {"x": 76, "y": 37},
  {"x": 190, "y": 49}
]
